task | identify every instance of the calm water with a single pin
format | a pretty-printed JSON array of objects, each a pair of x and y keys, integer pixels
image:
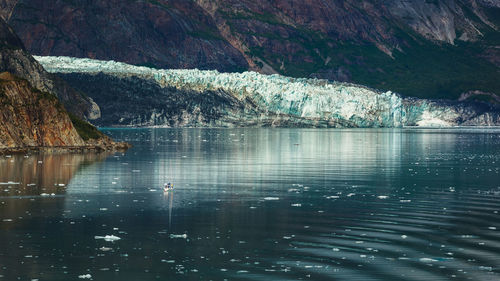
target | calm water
[{"x": 258, "y": 204}]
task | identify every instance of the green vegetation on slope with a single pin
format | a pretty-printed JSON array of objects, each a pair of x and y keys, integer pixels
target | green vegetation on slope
[
  {"x": 84, "y": 129},
  {"x": 421, "y": 68}
]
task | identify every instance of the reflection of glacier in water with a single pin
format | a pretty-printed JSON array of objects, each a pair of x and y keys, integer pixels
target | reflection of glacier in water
[
  {"x": 205, "y": 164},
  {"x": 243, "y": 160}
]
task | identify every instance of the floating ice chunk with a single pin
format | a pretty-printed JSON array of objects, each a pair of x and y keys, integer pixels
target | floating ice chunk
[
  {"x": 184, "y": 236},
  {"x": 427, "y": 260},
  {"x": 105, "y": 249},
  {"x": 404, "y": 236},
  {"x": 297, "y": 205},
  {"x": 85, "y": 276},
  {"x": 382, "y": 197},
  {"x": 44, "y": 194},
  {"x": 271, "y": 198},
  {"x": 9, "y": 183},
  {"x": 332, "y": 197},
  {"x": 108, "y": 238}
]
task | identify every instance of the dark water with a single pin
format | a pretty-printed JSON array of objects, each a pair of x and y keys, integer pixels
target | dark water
[{"x": 258, "y": 204}]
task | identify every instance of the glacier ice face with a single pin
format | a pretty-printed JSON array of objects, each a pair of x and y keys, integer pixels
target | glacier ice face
[{"x": 311, "y": 100}]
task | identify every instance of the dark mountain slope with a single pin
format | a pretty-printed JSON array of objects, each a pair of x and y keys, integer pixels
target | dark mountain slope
[
  {"x": 438, "y": 48},
  {"x": 169, "y": 34}
]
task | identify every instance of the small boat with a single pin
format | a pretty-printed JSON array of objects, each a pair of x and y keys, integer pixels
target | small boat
[{"x": 168, "y": 187}]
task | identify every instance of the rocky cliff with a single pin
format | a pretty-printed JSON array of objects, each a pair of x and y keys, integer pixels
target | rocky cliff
[
  {"x": 14, "y": 58},
  {"x": 141, "y": 96},
  {"x": 31, "y": 117},
  {"x": 435, "y": 49}
]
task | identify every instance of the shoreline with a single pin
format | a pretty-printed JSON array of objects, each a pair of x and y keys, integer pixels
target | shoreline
[{"x": 115, "y": 146}]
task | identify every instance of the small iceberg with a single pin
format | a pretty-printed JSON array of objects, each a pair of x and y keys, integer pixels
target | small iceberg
[
  {"x": 271, "y": 198},
  {"x": 108, "y": 238},
  {"x": 184, "y": 236},
  {"x": 427, "y": 260},
  {"x": 85, "y": 276}
]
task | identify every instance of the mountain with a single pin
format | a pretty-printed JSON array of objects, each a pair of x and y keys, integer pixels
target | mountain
[
  {"x": 423, "y": 48},
  {"x": 142, "y": 96},
  {"x": 31, "y": 115}
]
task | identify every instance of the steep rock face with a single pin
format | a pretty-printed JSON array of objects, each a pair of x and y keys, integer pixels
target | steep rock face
[
  {"x": 444, "y": 20},
  {"x": 31, "y": 118},
  {"x": 151, "y": 97},
  {"x": 421, "y": 48},
  {"x": 16, "y": 60},
  {"x": 168, "y": 34}
]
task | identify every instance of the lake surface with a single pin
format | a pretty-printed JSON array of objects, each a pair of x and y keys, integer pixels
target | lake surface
[{"x": 258, "y": 204}]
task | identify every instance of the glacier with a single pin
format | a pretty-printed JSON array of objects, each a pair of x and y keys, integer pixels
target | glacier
[{"x": 140, "y": 96}]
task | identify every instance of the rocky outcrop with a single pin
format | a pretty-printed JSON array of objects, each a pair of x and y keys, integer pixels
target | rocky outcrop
[
  {"x": 15, "y": 59},
  {"x": 419, "y": 48},
  {"x": 31, "y": 118},
  {"x": 31, "y": 115},
  {"x": 141, "y": 96}
]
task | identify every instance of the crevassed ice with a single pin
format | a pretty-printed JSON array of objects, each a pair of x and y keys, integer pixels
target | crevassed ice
[{"x": 312, "y": 98}]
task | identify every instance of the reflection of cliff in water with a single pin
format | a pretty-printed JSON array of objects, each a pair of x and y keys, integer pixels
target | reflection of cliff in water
[{"x": 44, "y": 173}]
